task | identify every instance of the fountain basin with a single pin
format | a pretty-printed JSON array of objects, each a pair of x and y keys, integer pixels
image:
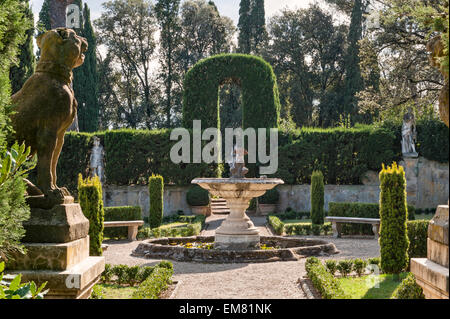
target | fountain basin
[
  {"x": 237, "y": 231},
  {"x": 290, "y": 249}
]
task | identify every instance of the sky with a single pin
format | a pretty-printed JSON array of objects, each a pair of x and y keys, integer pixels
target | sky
[{"x": 229, "y": 8}]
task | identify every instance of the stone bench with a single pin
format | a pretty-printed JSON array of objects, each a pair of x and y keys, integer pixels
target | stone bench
[
  {"x": 336, "y": 223},
  {"x": 131, "y": 224}
]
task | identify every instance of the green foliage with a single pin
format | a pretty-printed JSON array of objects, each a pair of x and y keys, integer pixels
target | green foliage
[
  {"x": 118, "y": 214},
  {"x": 417, "y": 234},
  {"x": 85, "y": 77},
  {"x": 331, "y": 265},
  {"x": 18, "y": 74},
  {"x": 17, "y": 290},
  {"x": 393, "y": 240},
  {"x": 342, "y": 155},
  {"x": 193, "y": 228},
  {"x": 323, "y": 281},
  {"x": 260, "y": 100},
  {"x": 345, "y": 267},
  {"x": 156, "y": 192},
  {"x": 363, "y": 210},
  {"x": 91, "y": 202},
  {"x": 317, "y": 198},
  {"x": 270, "y": 197},
  {"x": 276, "y": 223},
  {"x": 97, "y": 292},
  {"x": 154, "y": 284},
  {"x": 307, "y": 229},
  {"x": 433, "y": 139},
  {"x": 359, "y": 266},
  {"x": 408, "y": 289},
  {"x": 197, "y": 196},
  {"x": 374, "y": 261}
]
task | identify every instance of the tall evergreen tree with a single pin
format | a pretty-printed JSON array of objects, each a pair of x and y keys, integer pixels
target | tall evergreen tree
[
  {"x": 259, "y": 32},
  {"x": 169, "y": 24},
  {"x": 85, "y": 77},
  {"x": 44, "y": 23},
  {"x": 245, "y": 27},
  {"x": 353, "y": 80},
  {"x": 19, "y": 73}
]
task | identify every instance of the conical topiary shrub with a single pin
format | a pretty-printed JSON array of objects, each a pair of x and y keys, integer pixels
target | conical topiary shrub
[{"x": 317, "y": 198}]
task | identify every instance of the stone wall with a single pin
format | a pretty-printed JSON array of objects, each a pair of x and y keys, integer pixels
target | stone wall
[{"x": 427, "y": 187}]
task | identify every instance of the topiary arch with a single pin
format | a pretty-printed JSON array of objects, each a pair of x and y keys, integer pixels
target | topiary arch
[{"x": 260, "y": 98}]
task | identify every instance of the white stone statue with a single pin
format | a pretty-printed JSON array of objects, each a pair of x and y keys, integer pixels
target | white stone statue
[
  {"x": 96, "y": 162},
  {"x": 409, "y": 134}
]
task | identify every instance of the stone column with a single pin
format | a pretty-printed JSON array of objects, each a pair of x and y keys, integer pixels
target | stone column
[{"x": 432, "y": 273}]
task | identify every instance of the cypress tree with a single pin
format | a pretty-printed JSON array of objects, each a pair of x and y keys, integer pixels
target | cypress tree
[
  {"x": 245, "y": 27},
  {"x": 353, "y": 79},
  {"x": 19, "y": 73},
  {"x": 44, "y": 23},
  {"x": 259, "y": 32},
  {"x": 85, "y": 77}
]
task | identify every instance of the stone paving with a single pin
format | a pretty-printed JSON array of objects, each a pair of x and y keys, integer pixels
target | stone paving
[{"x": 277, "y": 280}]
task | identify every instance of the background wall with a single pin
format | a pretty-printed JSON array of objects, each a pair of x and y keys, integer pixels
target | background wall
[{"x": 427, "y": 187}]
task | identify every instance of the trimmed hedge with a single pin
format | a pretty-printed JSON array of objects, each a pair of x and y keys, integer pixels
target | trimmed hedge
[
  {"x": 118, "y": 214},
  {"x": 317, "y": 198},
  {"x": 270, "y": 197},
  {"x": 276, "y": 223},
  {"x": 157, "y": 282},
  {"x": 197, "y": 196},
  {"x": 408, "y": 289},
  {"x": 307, "y": 229},
  {"x": 393, "y": 240},
  {"x": 194, "y": 227},
  {"x": 156, "y": 191},
  {"x": 260, "y": 97},
  {"x": 363, "y": 210},
  {"x": 328, "y": 286},
  {"x": 417, "y": 234},
  {"x": 91, "y": 202},
  {"x": 343, "y": 155}
]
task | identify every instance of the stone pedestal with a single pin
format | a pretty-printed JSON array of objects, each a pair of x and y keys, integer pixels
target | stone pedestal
[
  {"x": 432, "y": 273},
  {"x": 57, "y": 247},
  {"x": 237, "y": 232}
]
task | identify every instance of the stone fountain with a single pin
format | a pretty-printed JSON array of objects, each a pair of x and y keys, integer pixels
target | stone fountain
[{"x": 237, "y": 239}]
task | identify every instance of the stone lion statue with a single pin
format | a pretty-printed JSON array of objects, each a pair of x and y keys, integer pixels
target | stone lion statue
[{"x": 45, "y": 106}]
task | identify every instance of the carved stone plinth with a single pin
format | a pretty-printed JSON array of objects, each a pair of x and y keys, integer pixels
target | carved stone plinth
[
  {"x": 57, "y": 245},
  {"x": 60, "y": 224},
  {"x": 432, "y": 273}
]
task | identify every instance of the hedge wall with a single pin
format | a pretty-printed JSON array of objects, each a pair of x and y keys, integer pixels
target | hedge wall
[
  {"x": 343, "y": 155},
  {"x": 260, "y": 97}
]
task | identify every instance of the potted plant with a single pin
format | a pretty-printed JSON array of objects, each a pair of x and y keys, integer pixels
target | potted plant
[
  {"x": 198, "y": 200},
  {"x": 268, "y": 202}
]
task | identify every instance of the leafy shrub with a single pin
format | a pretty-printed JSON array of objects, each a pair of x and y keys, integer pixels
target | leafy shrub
[
  {"x": 331, "y": 266},
  {"x": 328, "y": 286},
  {"x": 307, "y": 229},
  {"x": 316, "y": 229},
  {"x": 121, "y": 271},
  {"x": 133, "y": 275},
  {"x": 374, "y": 261},
  {"x": 17, "y": 290},
  {"x": 393, "y": 240},
  {"x": 417, "y": 234},
  {"x": 91, "y": 202},
  {"x": 118, "y": 214},
  {"x": 108, "y": 273},
  {"x": 364, "y": 210},
  {"x": 433, "y": 139},
  {"x": 156, "y": 191},
  {"x": 165, "y": 264},
  {"x": 270, "y": 197},
  {"x": 196, "y": 223},
  {"x": 345, "y": 267},
  {"x": 151, "y": 287},
  {"x": 276, "y": 223},
  {"x": 197, "y": 196},
  {"x": 317, "y": 198},
  {"x": 97, "y": 292},
  {"x": 359, "y": 266},
  {"x": 408, "y": 289}
]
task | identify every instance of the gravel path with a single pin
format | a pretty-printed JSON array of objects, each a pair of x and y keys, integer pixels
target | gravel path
[{"x": 277, "y": 280}]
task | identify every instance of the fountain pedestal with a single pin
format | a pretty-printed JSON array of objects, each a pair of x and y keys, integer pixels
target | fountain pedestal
[{"x": 237, "y": 232}]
